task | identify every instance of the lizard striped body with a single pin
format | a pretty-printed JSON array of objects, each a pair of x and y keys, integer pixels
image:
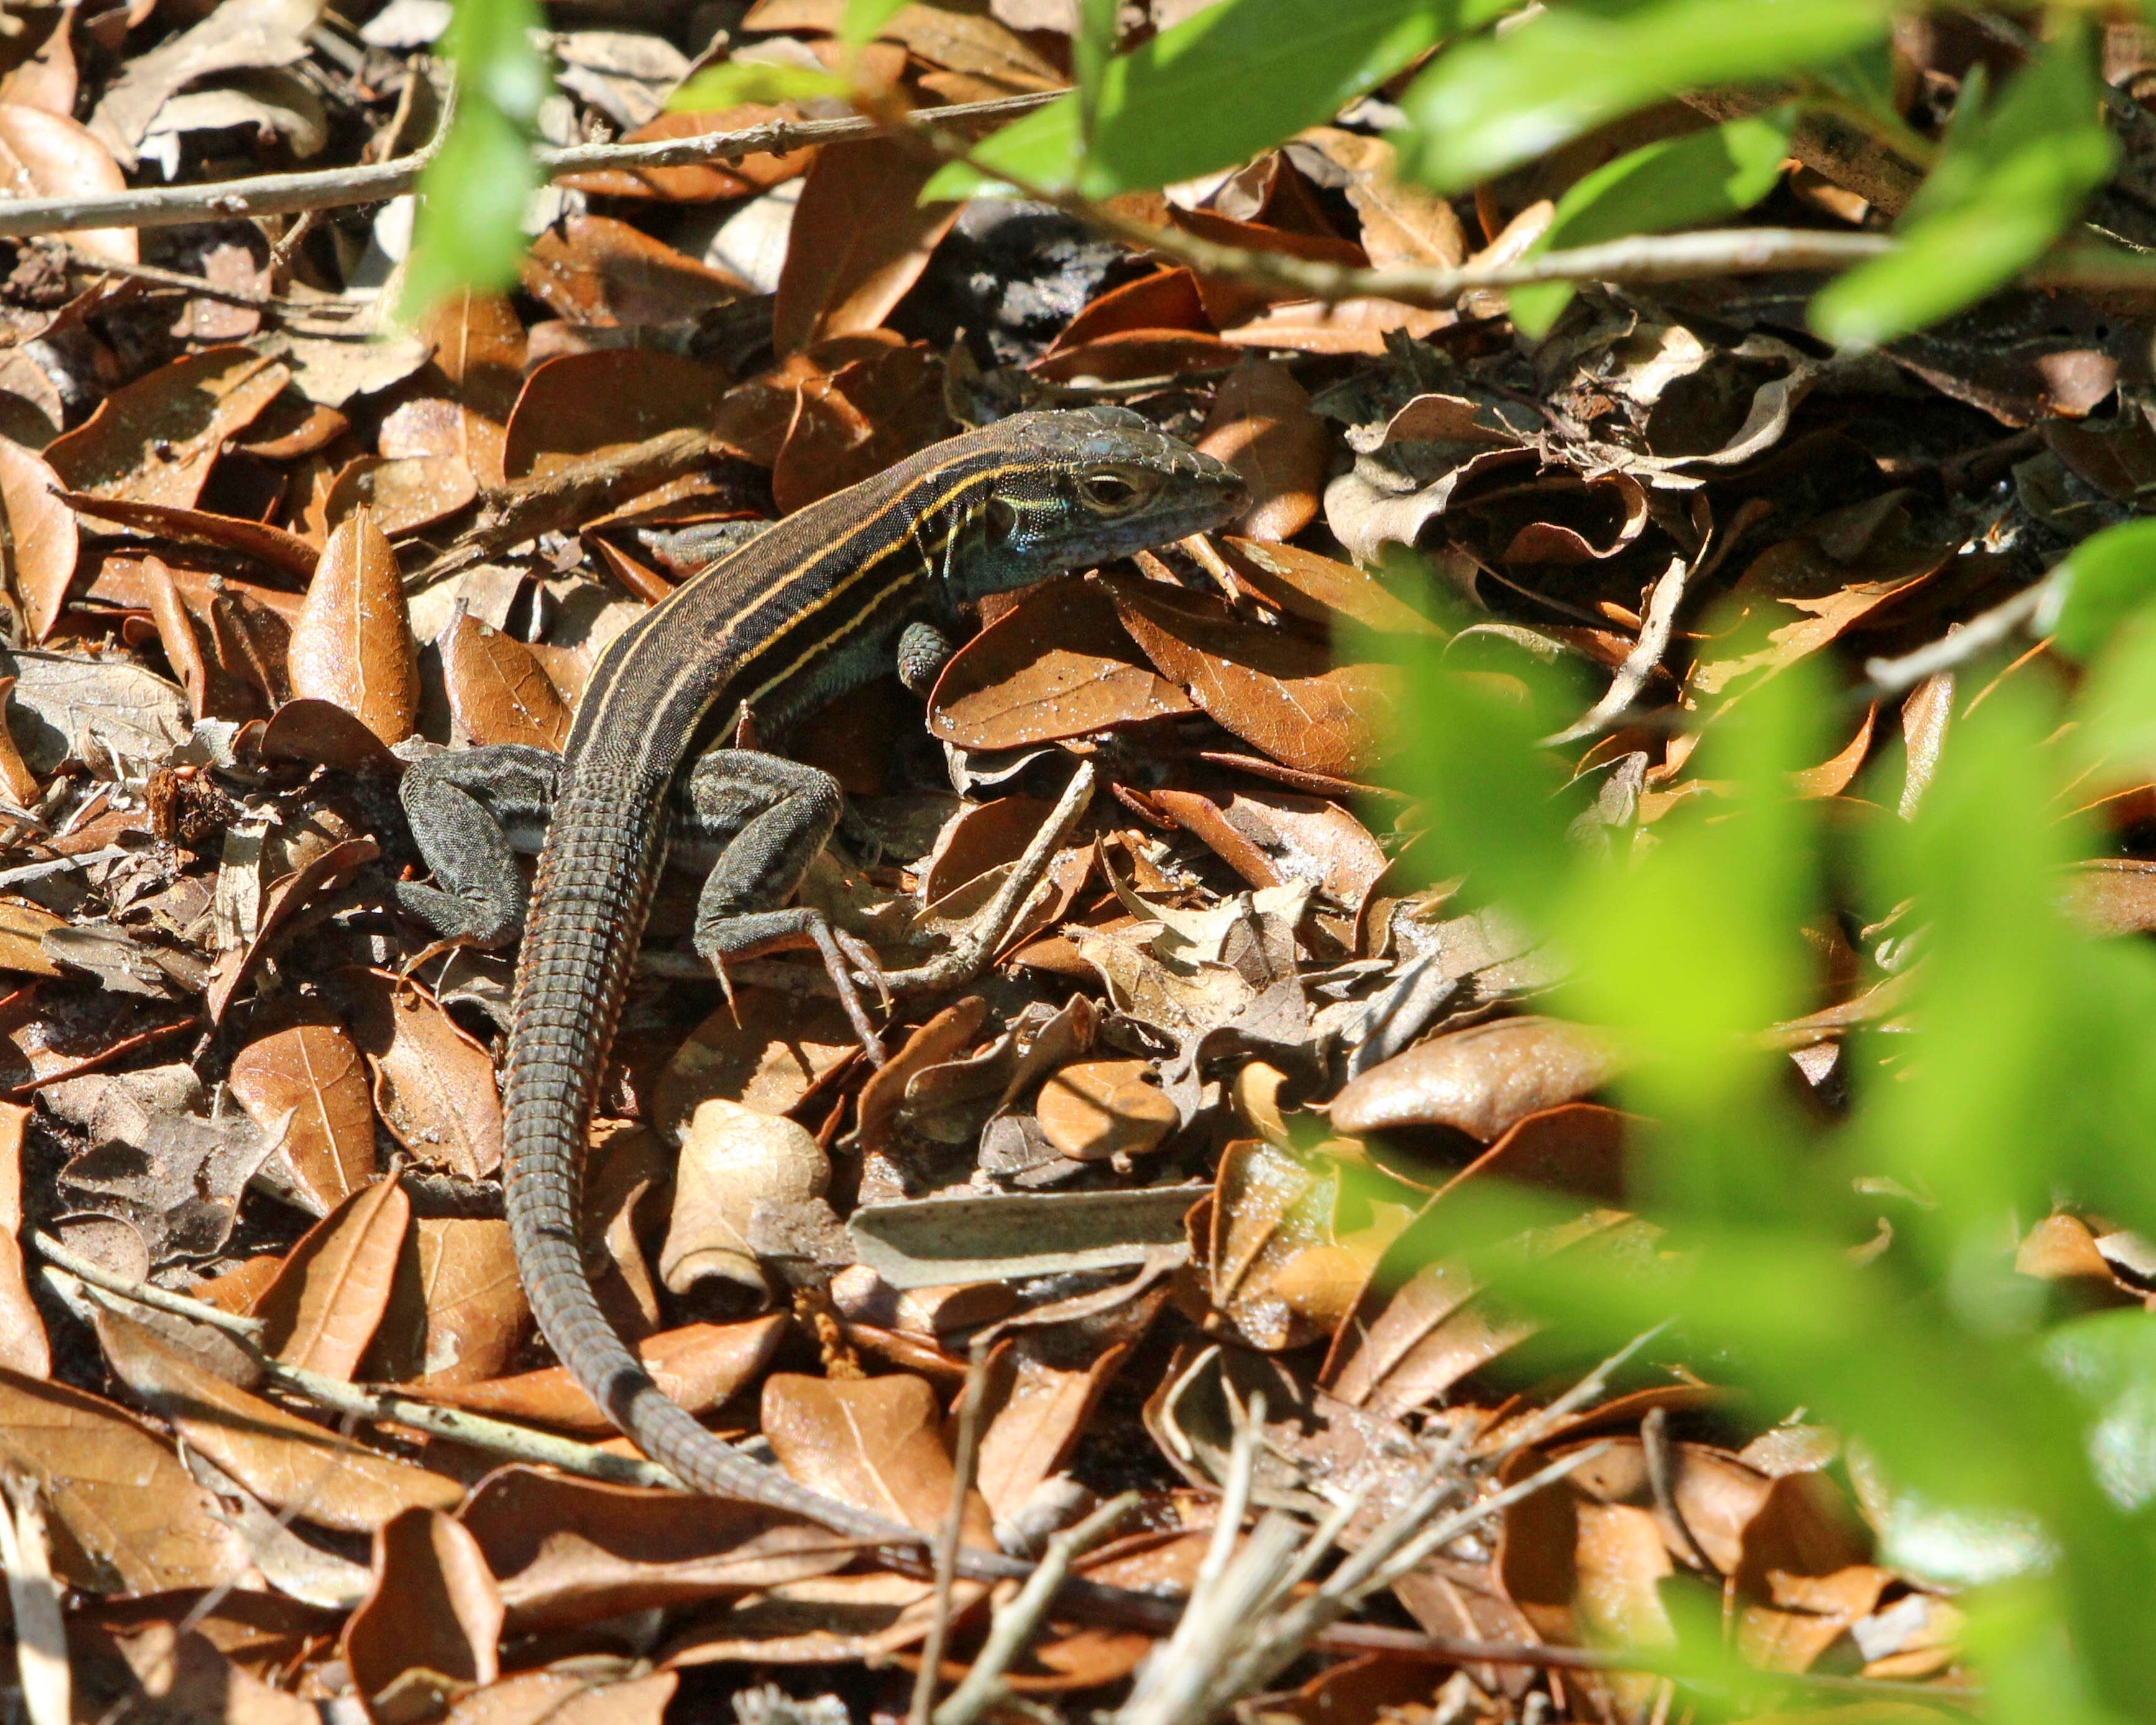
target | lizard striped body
[{"x": 821, "y": 602}]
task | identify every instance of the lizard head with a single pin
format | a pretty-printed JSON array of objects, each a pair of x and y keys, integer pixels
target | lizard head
[{"x": 1093, "y": 484}]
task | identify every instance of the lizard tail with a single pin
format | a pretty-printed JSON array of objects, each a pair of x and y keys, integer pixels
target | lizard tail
[{"x": 589, "y": 911}]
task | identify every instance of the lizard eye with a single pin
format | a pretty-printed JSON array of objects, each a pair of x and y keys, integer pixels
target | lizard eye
[{"x": 1110, "y": 493}]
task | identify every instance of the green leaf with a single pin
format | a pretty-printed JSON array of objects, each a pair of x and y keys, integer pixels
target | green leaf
[
  {"x": 470, "y": 228},
  {"x": 2109, "y": 1360},
  {"x": 2106, "y": 578},
  {"x": 863, "y": 20},
  {"x": 1492, "y": 103},
  {"x": 2007, "y": 184},
  {"x": 731, "y": 83},
  {"x": 1091, "y": 47},
  {"x": 1673, "y": 182},
  {"x": 1215, "y": 90}
]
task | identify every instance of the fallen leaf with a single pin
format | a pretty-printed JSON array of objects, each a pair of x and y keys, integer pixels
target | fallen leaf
[
  {"x": 875, "y": 1443},
  {"x": 434, "y": 1612},
  {"x": 288, "y": 1462},
  {"x": 594, "y": 269},
  {"x": 733, "y": 1159},
  {"x": 312, "y": 1073},
  {"x": 861, "y": 239},
  {"x": 433, "y": 1085},
  {"x": 698, "y": 1367},
  {"x": 498, "y": 690},
  {"x": 321, "y": 1311},
  {"x": 155, "y": 439},
  {"x": 1481, "y": 1080},
  {"x": 700, "y": 182},
  {"x": 48, "y": 155},
  {"x": 1261, "y": 426},
  {"x": 1097, "y": 1109},
  {"x": 43, "y": 539},
  {"x": 136, "y": 1524},
  {"x": 352, "y": 646},
  {"x": 24, "y": 1347},
  {"x": 566, "y": 1697}
]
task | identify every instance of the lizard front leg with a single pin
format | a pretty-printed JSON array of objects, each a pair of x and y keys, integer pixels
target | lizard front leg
[
  {"x": 761, "y": 820},
  {"x": 471, "y": 811}
]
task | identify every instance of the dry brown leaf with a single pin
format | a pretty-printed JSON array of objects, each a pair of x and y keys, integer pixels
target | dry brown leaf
[
  {"x": 1165, "y": 299},
  {"x": 1276, "y": 691},
  {"x": 567, "y": 1696},
  {"x": 574, "y": 1550},
  {"x": 49, "y": 155},
  {"x": 581, "y": 405},
  {"x": 1269, "y": 1209},
  {"x": 433, "y": 1085},
  {"x": 1126, "y": 355},
  {"x": 353, "y": 645},
  {"x": 286, "y": 1461},
  {"x": 1037, "y": 1408},
  {"x": 1306, "y": 585},
  {"x": 956, "y": 38},
  {"x": 155, "y": 439},
  {"x": 1261, "y": 426},
  {"x": 236, "y": 966},
  {"x": 698, "y": 1367},
  {"x": 434, "y": 1612},
  {"x": 1349, "y": 326},
  {"x": 764, "y": 1051},
  {"x": 1059, "y": 664},
  {"x": 21, "y": 938},
  {"x": 700, "y": 182},
  {"x": 24, "y": 1347},
  {"x": 43, "y": 540},
  {"x": 155, "y": 1672},
  {"x": 1479, "y": 1080},
  {"x": 473, "y": 1316},
  {"x": 313, "y": 1073},
  {"x": 136, "y": 1524},
  {"x": 876, "y": 1443},
  {"x": 285, "y": 552},
  {"x": 861, "y": 239},
  {"x": 479, "y": 349},
  {"x": 1096, "y": 1109},
  {"x": 859, "y": 419},
  {"x": 498, "y": 690},
  {"x": 1404, "y": 225},
  {"x": 733, "y": 1159},
  {"x": 321, "y": 1311},
  {"x": 594, "y": 269}
]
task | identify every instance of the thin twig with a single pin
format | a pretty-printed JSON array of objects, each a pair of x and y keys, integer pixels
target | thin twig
[
  {"x": 948, "y": 1537},
  {"x": 1655, "y": 632},
  {"x": 1885, "y": 677},
  {"x": 1013, "y": 1625},
  {"x": 1536, "y": 1426},
  {"x": 495, "y": 1436},
  {"x": 85, "y": 263},
  {"x": 331, "y": 188}
]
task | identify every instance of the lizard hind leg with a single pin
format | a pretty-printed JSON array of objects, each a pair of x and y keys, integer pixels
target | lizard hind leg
[
  {"x": 471, "y": 811},
  {"x": 762, "y": 818}
]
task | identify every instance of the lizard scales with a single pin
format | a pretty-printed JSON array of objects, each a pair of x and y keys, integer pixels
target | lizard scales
[{"x": 819, "y": 603}]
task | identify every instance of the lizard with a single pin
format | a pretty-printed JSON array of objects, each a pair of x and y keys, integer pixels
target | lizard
[{"x": 842, "y": 591}]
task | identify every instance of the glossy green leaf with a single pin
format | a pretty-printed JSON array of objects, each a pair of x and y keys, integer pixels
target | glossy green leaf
[
  {"x": 1673, "y": 182},
  {"x": 470, "y": 232},
  {"x": 2008, "y": 182},
  {"x": 1492, "y": 103},
  {"x": 1218, "y": 88},
  {"x": 2108, "y": 577}
]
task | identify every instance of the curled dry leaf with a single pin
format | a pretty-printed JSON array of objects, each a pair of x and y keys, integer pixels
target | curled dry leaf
[
  {"x": 288, "y": 1462},
  {"x": 1097, "y": 1109},
  {"x": 498, "y": 690},
  {"x": 479, "y": 349},
  {"x": 1277, "y": 691},
  {"x": 136, "y": 1524},
  {"x": 1058, "y": 664},
  {"x": 24, "y": 1347},
  {"x": 1481, "y": 1080},
  {"x": 155, "y": 439},
  {"x": 573, "y": 1551},
  {"x": 43, "y": 540},
  {"x": 732, "y": 1160},
  {"x": 700, "y": 1367},
  {"x": 1261, "y": 426},
  {"x": 321, "y": 1311},
  {"x": 49, "y": 155},
  {"x": 1269, "y": 1209},
  {"x": 1036, "y": 1406},
  {"x": 312, "y": 1073},
  {"x": 352, "y": 646},
  {"x": 1320, "y": 590},
  {"x": 434, "y": 1612}
]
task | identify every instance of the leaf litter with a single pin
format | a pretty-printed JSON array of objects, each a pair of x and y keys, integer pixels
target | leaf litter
[{"x": 1176, "y": 1173}]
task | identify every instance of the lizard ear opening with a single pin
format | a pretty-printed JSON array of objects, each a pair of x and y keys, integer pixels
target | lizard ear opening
[{"x": 1001, "y": 518}]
